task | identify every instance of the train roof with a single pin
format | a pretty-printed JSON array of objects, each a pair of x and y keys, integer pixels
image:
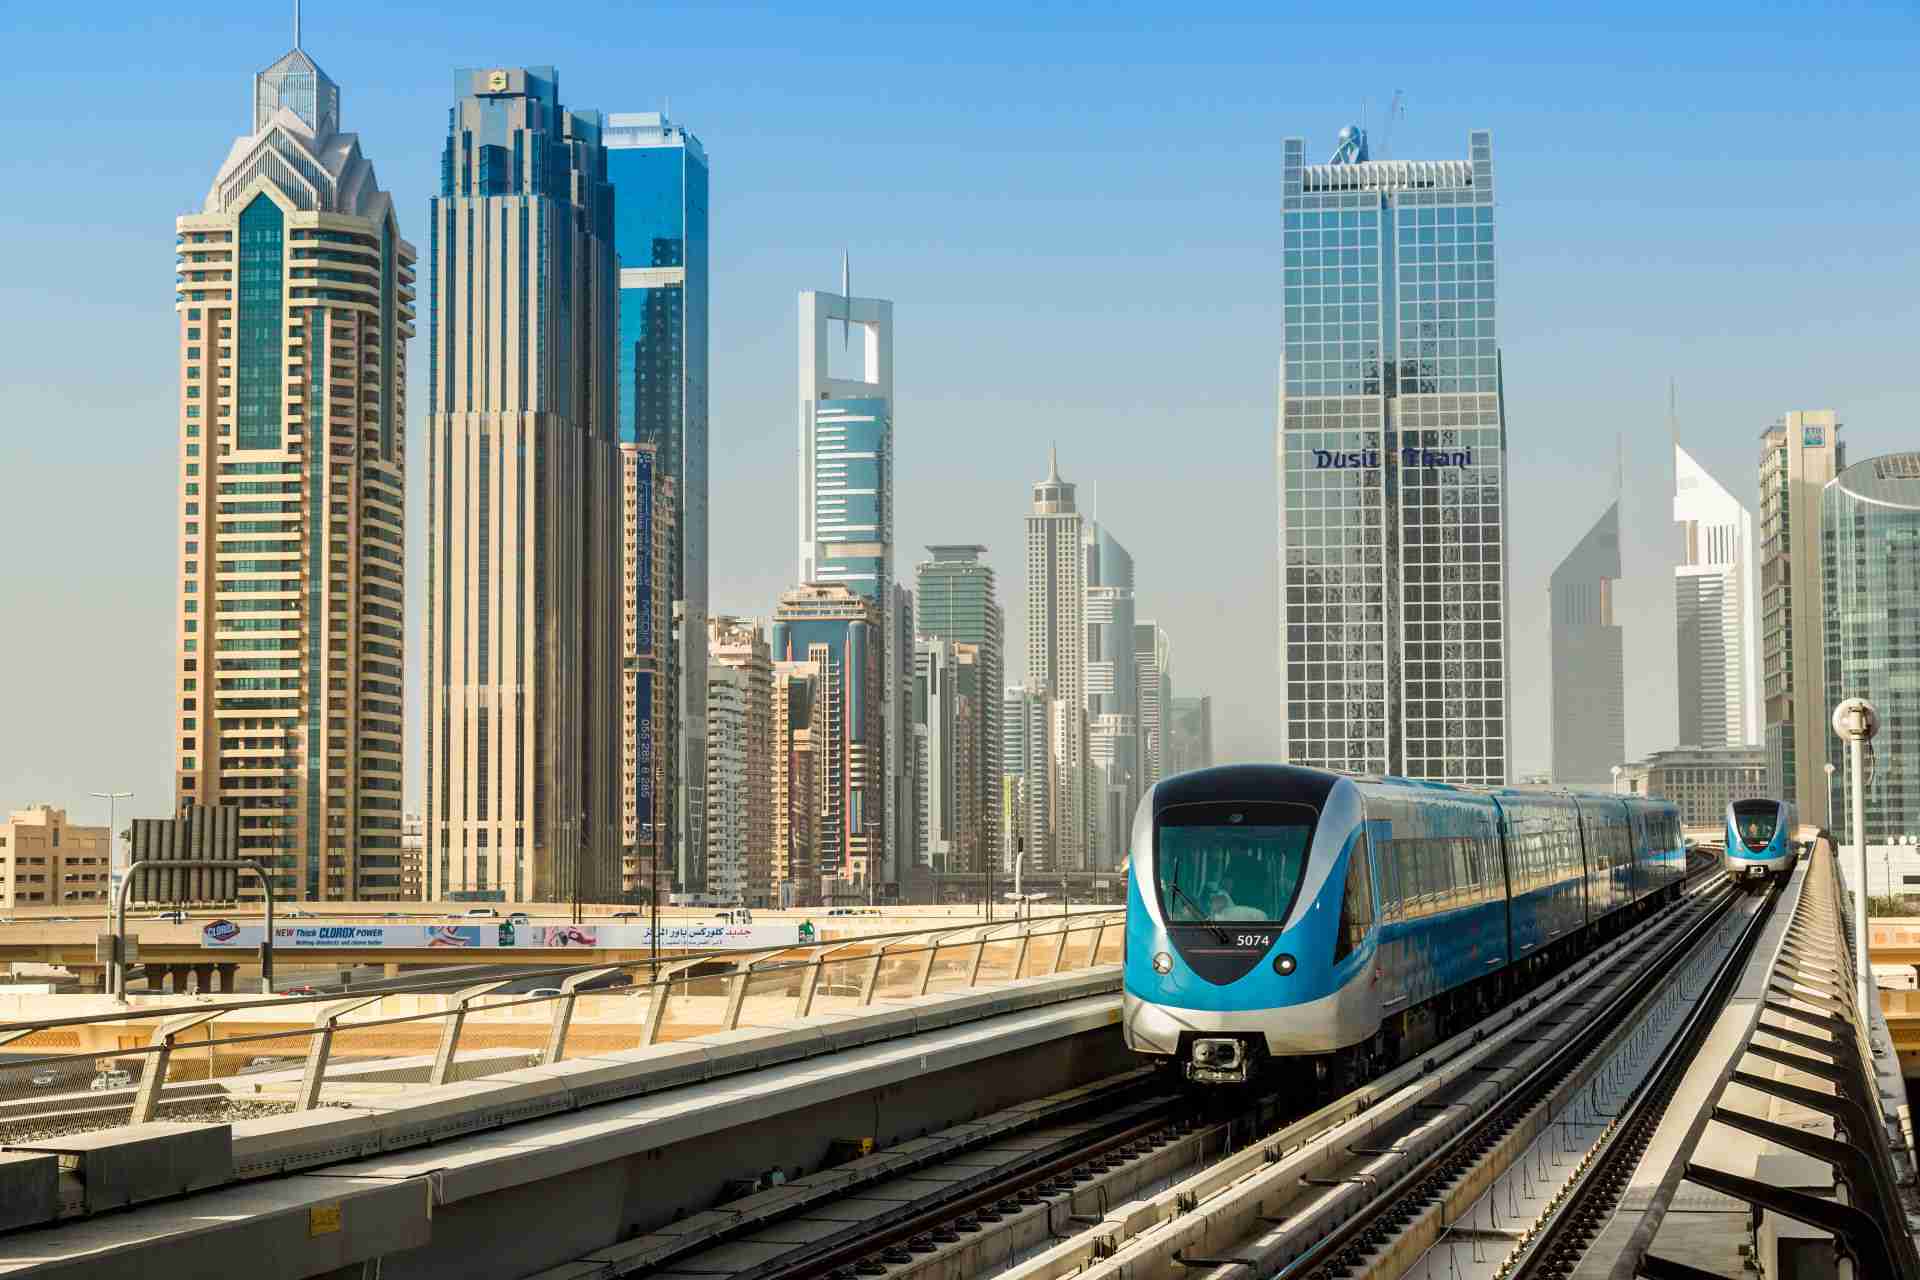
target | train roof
[{"x": 1314, "y": 785}]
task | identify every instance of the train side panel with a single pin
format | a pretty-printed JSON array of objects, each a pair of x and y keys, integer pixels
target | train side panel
[
  {"x": 1441, "y": 891},
  {"x": 1607, "y": 840},
  {"x": 1545, "y": 870}
]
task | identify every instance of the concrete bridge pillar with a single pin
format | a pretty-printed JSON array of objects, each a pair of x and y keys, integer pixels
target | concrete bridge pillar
[
  {"x": 156, "y": 977},
  {"x": 203, "y": 978},
  {"x": 229, "y": 975},
  {"x": 177, "y": 978}
]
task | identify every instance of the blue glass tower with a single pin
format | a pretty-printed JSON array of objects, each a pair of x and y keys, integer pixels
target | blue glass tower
[
  {"x": 659, "y": 176},
  {"x": 1393, "y": 467}
]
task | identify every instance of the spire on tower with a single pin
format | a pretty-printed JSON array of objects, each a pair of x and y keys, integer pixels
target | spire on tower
[
  {"x": 296, "y": 24},
  {"x": 1053, "y": 462},
  {"x": 846, "y": 292}
]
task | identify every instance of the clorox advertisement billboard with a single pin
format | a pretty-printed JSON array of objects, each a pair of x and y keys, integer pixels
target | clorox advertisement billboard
[{"x": 494, "y": 935}]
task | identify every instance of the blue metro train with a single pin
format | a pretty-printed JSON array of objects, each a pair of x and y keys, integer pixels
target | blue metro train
[
  {"x": 1345, "y": 923},
  {"x": 1760, "y": 840}
]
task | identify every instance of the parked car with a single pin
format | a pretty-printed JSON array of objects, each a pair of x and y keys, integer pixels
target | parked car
[
  {"x": 263, "y": 1064},
  {"x": 177, "y": 917},
  {"x": 301, "y": 990},
  {"x": 627, "y": 915},
  {"x": 481, "y": 913},
  {"x": 41, "y": 1079},
  {"x": 111, "y": 1080},
  {"x": 544, "y": 991}
]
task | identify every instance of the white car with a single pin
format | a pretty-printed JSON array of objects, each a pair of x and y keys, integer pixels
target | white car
[
  {"x": 41, "y": 1079},
  {"x": 482, "y": 913},
  {"x": 111, "y": 1080}
]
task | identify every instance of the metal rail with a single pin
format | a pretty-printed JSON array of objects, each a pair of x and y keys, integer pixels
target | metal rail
[
  {"x": 1557, "y": 1243},
  {"x": 1814, "y": 968},
  {"x": 1520, "y": 1097},
  {"x": 854, "y": 968}
]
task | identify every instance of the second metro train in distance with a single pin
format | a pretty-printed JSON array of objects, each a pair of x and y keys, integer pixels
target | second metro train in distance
[
  {"x": 1760, "y": 840},
  {"x": 1288, "y": 916}
]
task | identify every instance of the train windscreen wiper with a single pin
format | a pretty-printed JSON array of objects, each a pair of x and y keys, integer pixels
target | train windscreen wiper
[{"x": 1220, "y": 935}]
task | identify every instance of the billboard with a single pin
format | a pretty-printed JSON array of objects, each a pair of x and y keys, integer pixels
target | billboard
[{"x": 498, "y": 934}]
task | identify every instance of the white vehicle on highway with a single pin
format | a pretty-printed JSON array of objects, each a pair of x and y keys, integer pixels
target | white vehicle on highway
[
  {"x": 41, "y": 1079},
  {"x": 111, "y": 1080}
]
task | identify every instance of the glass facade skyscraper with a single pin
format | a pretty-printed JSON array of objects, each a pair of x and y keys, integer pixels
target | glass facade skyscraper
[
  {"x": 1870, "y": 540},
  {"x": 955, "y": 600},
  {"x": 659, "y": 176},
  {"x": 1392, "y": 452}
]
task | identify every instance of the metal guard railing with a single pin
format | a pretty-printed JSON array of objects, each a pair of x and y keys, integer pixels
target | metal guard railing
[{"x": 856, "y": 969}]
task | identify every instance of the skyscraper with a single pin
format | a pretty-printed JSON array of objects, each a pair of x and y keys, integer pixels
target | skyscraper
[
  {"x": 1057, "y": 667},
  {"x": 524, "y": 512},
  {"x": 1393, "y": 467},
  {"x": 1153, "y": 677},
  {"x": 797, "y": 786},
  {"x": 647, "y": 778},
  {"x": 1190, "y": 735},
  {"x": 941, "y": 833},
  {"x": 659, "y": 176},
  {"x": 1026, "y": 756},
  {"x": 740, "y": 645},
  {"x": 834, "y": 628},
  {"x": 1870, "y": 527},
  {"x": 1113, "y": 697},
  {"x": 1589, "y": 673},
  {"x": 846, "y": 510},
  {"x": 295, "y": 301},
  {"x": 955, "y": 599},
  {"x": 1716, "y": 600},
  {"x": 1799, "y": 454}
]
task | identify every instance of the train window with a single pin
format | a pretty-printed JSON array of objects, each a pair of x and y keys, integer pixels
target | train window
[
  {"x": 1214, "y": 867},
  {"x": 1356, "y": 904}
]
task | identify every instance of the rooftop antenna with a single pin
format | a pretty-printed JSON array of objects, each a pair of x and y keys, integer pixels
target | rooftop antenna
[
  {"x": 1673, "y": 411},
  {"x": 1395, "y": 109},
  {"x": 846, "y": 292},
  {"x": 1619, "y": 465},
  {"x": 296, "y": 24}
]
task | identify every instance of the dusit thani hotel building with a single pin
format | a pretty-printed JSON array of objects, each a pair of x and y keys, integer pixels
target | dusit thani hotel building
[{"x": 1392, "y": 467}]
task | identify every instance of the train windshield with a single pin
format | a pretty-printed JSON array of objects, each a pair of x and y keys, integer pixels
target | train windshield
[
  {"x": 1221, "y": 863},
  {"x": 1755, "y": 821}
]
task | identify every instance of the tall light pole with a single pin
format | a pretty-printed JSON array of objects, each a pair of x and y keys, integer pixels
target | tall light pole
[
  {"x": 113, "y": 861},
  {"x": 1857, "y": 721},
  {"x": 1829, "y": 768}
]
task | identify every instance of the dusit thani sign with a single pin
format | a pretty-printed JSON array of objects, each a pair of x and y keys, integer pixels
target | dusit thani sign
[{"x": 1364, "y": 459}]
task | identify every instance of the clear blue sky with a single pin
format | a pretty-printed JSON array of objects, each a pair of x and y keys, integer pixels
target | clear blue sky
[{"x": 1076, "y": 213}]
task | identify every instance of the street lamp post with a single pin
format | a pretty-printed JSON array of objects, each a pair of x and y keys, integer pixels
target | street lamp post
[
  {"x": 113, "y": 861},
  {"x": 1857, "y": 721}
]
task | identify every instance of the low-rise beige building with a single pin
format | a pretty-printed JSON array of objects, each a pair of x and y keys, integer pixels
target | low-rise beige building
[{"x": 47, "y": 862}]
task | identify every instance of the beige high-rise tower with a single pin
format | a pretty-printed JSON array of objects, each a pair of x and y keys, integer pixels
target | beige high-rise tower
[
  {"x": 1798, "y": 455},
  {"x": 1057, "y": 663},
  {"x": 524, "y": 514},
  {"x": 647, "y": 774},
  {"x": 295, "y": 301},
  {"x": 737, "y": 652}
]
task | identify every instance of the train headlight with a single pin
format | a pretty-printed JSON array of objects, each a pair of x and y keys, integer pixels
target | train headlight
[
  {"x": 1162, "y": 962},
  {"x": 1284, "y": 964}
]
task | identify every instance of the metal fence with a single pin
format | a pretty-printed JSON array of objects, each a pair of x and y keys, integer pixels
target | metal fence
[{"x": 246, "y": 1057}]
